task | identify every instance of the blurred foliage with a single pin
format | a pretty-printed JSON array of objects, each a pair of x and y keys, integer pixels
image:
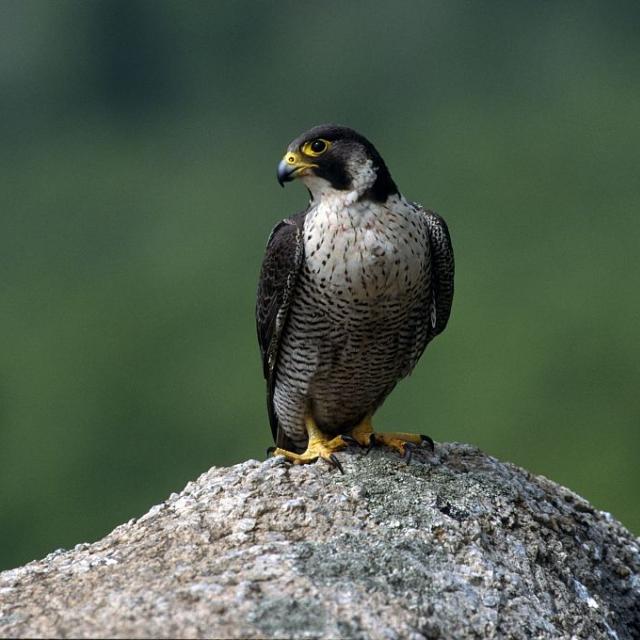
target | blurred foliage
[{"x": 138, "y": 155}]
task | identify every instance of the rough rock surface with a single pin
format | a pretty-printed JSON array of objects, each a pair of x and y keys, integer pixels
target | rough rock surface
[{"x": 454, "y": 545}]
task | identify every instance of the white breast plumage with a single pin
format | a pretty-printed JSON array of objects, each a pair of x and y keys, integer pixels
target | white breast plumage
[{"x": 365, "y": 249}]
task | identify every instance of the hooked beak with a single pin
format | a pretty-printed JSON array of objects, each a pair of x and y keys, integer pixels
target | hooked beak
[{"x": 292, "y": 166}]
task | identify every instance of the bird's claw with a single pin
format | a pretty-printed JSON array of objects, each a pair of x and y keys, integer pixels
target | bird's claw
[
  {"x": 409, "y": 448},
  {"x": 427, "y": 442},
  {"x": 373, "y": 442},
  {"x": 334, "y": 462},
  {"x": 350, "y": 440}
]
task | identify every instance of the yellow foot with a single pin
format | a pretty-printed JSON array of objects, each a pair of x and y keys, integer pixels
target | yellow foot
[
  {"x": 320, "y": 446},
  {"x": 405, "y": 443}
]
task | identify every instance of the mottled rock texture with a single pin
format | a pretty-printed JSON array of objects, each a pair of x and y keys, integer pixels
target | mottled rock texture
[{"x": 454, "y": 545}]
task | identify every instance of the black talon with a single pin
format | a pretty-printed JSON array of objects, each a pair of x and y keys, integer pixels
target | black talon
[
  {"x": 427, "y": 441},
  {"x": 336, "y": 463},
  {"x": 408, "y": 451},
  {"x": 373, "y": 441},
  {"x": 270, "y": 450},
  {"x": 350, "y": 440}
]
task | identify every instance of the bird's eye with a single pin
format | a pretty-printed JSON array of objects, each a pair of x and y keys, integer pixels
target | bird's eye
[
  {"x": 318, "y": 146},
  {"x": 315, "y": 147}
]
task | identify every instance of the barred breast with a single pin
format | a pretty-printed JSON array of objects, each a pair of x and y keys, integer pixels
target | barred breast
[{"x": 358, "y": 316}]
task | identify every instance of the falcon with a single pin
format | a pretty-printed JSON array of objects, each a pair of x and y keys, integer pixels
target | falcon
[{"x": 351, "y": 291}]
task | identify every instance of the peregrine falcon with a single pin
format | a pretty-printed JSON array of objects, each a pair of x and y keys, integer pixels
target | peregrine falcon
[{"x": 351, "y": 291}]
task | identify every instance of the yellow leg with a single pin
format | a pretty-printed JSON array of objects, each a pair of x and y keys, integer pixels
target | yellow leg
[
  {"x": 365, "y": 436},
  {"x": 320, "y": 446}
]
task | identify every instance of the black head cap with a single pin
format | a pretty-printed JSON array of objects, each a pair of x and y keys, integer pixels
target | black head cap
[{"x": 338, "y": 163}]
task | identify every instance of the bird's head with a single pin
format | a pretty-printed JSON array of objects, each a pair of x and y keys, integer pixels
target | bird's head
[{"x": 330, "y": 159}]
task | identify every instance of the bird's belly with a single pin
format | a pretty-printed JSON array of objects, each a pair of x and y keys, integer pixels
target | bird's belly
[
  {"x": 359, "y": 361},
  {"x": 341, "y": 358}
]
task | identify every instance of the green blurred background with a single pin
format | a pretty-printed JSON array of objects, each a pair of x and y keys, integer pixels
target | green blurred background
[{"x": 139, "y": 142}]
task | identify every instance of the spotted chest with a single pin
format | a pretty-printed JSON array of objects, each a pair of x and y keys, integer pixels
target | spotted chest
[{"x": 363, "y": 250}]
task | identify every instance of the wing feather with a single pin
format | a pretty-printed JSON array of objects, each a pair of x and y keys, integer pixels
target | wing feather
[
  {"x": 276, "y": 287},
  {"x": 442, "y": 273}
]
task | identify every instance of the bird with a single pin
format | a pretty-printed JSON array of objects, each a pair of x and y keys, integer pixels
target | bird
[{"x": 350, "y": 292}]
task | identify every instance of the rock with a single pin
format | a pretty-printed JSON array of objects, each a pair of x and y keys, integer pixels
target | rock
[{"x": 454, "y": 545}]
